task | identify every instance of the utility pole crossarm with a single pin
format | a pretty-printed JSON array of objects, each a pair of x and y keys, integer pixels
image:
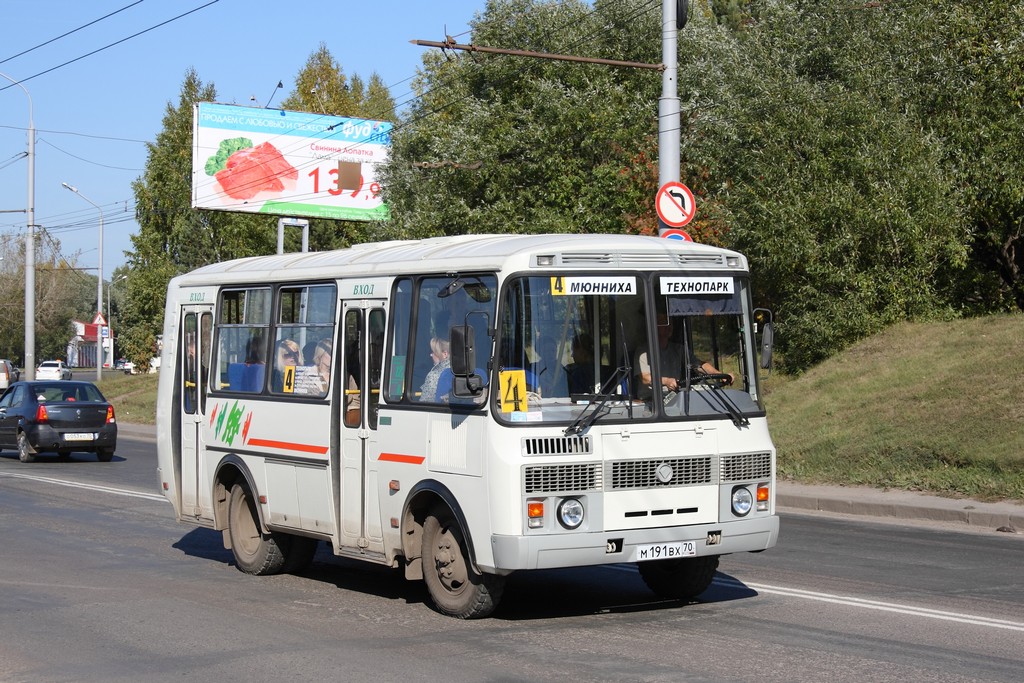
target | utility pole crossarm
[{"x": 452, "y": 45}]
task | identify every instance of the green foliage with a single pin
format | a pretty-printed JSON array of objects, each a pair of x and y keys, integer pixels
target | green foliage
[
  {"x": 63, "y": 294},
  {"x": 841, "y": 203},
  {"x": 509, "y": 144}
]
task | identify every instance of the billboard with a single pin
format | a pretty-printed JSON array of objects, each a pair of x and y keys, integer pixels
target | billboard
[{"x": 287, "y": 163}]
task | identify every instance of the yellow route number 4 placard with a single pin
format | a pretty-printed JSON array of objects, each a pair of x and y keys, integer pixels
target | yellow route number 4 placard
[{"x": 513, "y": 390}]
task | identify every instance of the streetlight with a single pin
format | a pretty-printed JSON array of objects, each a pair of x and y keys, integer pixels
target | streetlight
[
  {"x": 30, "y": 243},
  {"x": 99, "y": 284}
]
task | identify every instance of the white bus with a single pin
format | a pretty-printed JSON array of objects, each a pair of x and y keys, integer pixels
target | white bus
[{"x": 467, "y": 407}]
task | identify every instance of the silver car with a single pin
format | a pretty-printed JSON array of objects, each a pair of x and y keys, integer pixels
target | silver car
[
  {"x": 8, "y": 373},
  {"x": 53, "y": 369}
]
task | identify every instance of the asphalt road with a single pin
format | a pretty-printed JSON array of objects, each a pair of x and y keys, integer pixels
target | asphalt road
[{"x": 98, "y": 583}]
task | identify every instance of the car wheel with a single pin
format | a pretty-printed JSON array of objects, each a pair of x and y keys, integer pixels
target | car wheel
[
  {"x": 105, "y": 454},
  {"x": 25, "y": 452}
]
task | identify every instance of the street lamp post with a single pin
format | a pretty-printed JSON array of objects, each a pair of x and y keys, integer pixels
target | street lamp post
[
  {"x": 99, "y": 284},
  {"x": 30, "y": 244}
]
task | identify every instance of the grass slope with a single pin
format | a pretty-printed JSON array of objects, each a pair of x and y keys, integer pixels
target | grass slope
[{"x": 934, "y": 407}]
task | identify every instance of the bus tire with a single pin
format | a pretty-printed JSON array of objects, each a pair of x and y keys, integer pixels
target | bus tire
[
  {"x": 455, "y": 587},
  {"x": 25, "y": 452},
  {"x": 680, "y": 579},
  {"x": 255, "y": 552}
]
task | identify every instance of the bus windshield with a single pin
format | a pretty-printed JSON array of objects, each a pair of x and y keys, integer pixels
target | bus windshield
[{"x": 636, "y": 346}]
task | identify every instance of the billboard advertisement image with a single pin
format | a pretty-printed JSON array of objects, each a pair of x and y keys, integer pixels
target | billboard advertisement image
[{"x": 287, "y": 163}]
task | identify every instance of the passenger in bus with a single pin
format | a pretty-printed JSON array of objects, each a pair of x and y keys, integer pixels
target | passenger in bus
[
  {"x": 581, "y": 371},
  {"x": 671, "y": 354},
  {"x": 439, "y": 354},
  {"x": 287, "y": 355},
  {"x": 322, "y": 362}
]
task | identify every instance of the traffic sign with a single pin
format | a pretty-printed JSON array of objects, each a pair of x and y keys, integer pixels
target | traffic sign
[
  {"x": 674, "y": 234},
  {"x": 675, "y": 204}
]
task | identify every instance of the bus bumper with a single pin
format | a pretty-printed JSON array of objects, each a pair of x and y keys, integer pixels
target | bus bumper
[{"x": 568, "y": 549}]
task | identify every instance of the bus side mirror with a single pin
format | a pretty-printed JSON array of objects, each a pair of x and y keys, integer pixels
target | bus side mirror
[
  {"x": 767, "y": 340},
  {"x": 462, "y": 353},
  {"x": 764, "y": 317}
]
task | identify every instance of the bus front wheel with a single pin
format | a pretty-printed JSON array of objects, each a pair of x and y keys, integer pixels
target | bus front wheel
[
  {"x": 255, "y": 552},
  {"x": 679, "y": 579},
  {"x": 456, "y": 588}
]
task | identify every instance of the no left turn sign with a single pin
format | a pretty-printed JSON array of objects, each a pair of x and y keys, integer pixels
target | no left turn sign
[{"x": 675, "y": 204}]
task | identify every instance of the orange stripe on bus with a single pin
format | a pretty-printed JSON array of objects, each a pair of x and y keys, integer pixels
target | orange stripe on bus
[
  {"x": 285, "y": 445},
  {"x": 398, "y": 457}
]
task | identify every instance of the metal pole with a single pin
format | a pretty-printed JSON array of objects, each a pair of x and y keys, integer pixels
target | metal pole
[
  {"x": 668, "y": 104},
  {"x": 29, "y": 360},
  {"x": 99, "y": 286}
]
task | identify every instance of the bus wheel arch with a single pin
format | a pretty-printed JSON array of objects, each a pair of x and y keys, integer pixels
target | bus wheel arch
[
  {"x": 230, "y": 471},
  {"x": 423, "y": 499}
]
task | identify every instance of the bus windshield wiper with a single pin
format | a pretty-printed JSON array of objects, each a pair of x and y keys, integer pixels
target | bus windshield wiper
[
  {"x": 721, "y": 398},
  {"x": 586, "y": 419}
]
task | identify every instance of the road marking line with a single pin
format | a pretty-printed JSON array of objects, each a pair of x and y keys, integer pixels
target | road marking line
[
  {"x": 863, "y": 603},
  {"x": 878, "y": 605},
  {"x": 89, "y": 487}
]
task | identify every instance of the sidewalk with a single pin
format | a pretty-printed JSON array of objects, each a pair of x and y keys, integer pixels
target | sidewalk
[
  {"x": 850, "y": 500},
  {"x": 900, "y": 505}
]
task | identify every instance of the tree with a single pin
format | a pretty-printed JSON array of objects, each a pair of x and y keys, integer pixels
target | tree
[
  {"x": 173, "y": 237},
  {"x": 64, "y": 293},
  {"x": 838, "y": 199},
  {"x": 510, "y": 144}
]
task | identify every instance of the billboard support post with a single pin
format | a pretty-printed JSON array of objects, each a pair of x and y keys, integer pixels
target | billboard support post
[{"x": 283, "y": 223}]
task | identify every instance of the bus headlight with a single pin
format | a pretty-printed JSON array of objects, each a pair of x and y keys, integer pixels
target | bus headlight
[
  {"x": 570, "y": 513},
  {"x": 742, "y": 501}
]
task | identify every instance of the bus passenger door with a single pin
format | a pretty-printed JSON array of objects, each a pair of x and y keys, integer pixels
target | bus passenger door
[
  {"x": 361, "y": 361},
  {"x": 193, "y": 363}
]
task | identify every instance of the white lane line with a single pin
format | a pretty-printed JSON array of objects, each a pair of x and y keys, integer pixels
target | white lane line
[
  {"x": 89, "y": 487},
  {"x": 878, "y": 605},
  {"x": 864, "y": 603}
]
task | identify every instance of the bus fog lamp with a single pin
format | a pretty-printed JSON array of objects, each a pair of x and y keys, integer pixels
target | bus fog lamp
[
  {"x": 570, "y": 513},
  {"x": 742, "y": 501}
]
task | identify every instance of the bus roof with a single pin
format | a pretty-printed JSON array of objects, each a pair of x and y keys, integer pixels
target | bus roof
[{"x": 475, "y": 252}]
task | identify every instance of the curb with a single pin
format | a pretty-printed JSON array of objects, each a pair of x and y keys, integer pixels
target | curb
[{"x": 901, "y": 505}]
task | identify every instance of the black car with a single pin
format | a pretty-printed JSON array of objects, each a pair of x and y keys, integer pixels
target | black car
[{"x": 57, "y": 416}]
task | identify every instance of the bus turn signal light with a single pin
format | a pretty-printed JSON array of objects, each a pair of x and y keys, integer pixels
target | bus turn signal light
[
  {"x": 762, "y": 497},
  {"x": 535, "y": 513}
]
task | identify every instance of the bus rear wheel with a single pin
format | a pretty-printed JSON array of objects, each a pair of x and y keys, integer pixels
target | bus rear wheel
[
  {"x": 456, "y": 588},
  {"x": 255, "y": 552},
  {"x": 680, "y": 579}
]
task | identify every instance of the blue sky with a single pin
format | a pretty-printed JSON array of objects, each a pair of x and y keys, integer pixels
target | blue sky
[{"x": 93, "y": 115}]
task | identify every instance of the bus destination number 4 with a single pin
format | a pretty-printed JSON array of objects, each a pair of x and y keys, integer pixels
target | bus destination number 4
[{"x": 665, "y": 551}]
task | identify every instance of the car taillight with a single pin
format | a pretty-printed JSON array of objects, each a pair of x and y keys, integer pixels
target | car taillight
[
  {"x": 41, "y": 415},
  {"x": 110, "y": 414}
]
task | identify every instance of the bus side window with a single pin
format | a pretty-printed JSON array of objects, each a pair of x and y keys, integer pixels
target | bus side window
[{"x": 401, "y": 314}]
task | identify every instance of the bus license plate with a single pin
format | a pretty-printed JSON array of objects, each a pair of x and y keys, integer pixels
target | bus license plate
[
  {"x": 78, "y": 436},
  {"x": 665, "y": 551}
]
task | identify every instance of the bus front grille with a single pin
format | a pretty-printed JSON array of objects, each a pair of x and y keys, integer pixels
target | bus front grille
[
  {"x": 561, "y": 478},
  {"x": 661, "y": 472},
  {"x": 558, "y": 445},
  {"x": 745, "y": 467}
]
